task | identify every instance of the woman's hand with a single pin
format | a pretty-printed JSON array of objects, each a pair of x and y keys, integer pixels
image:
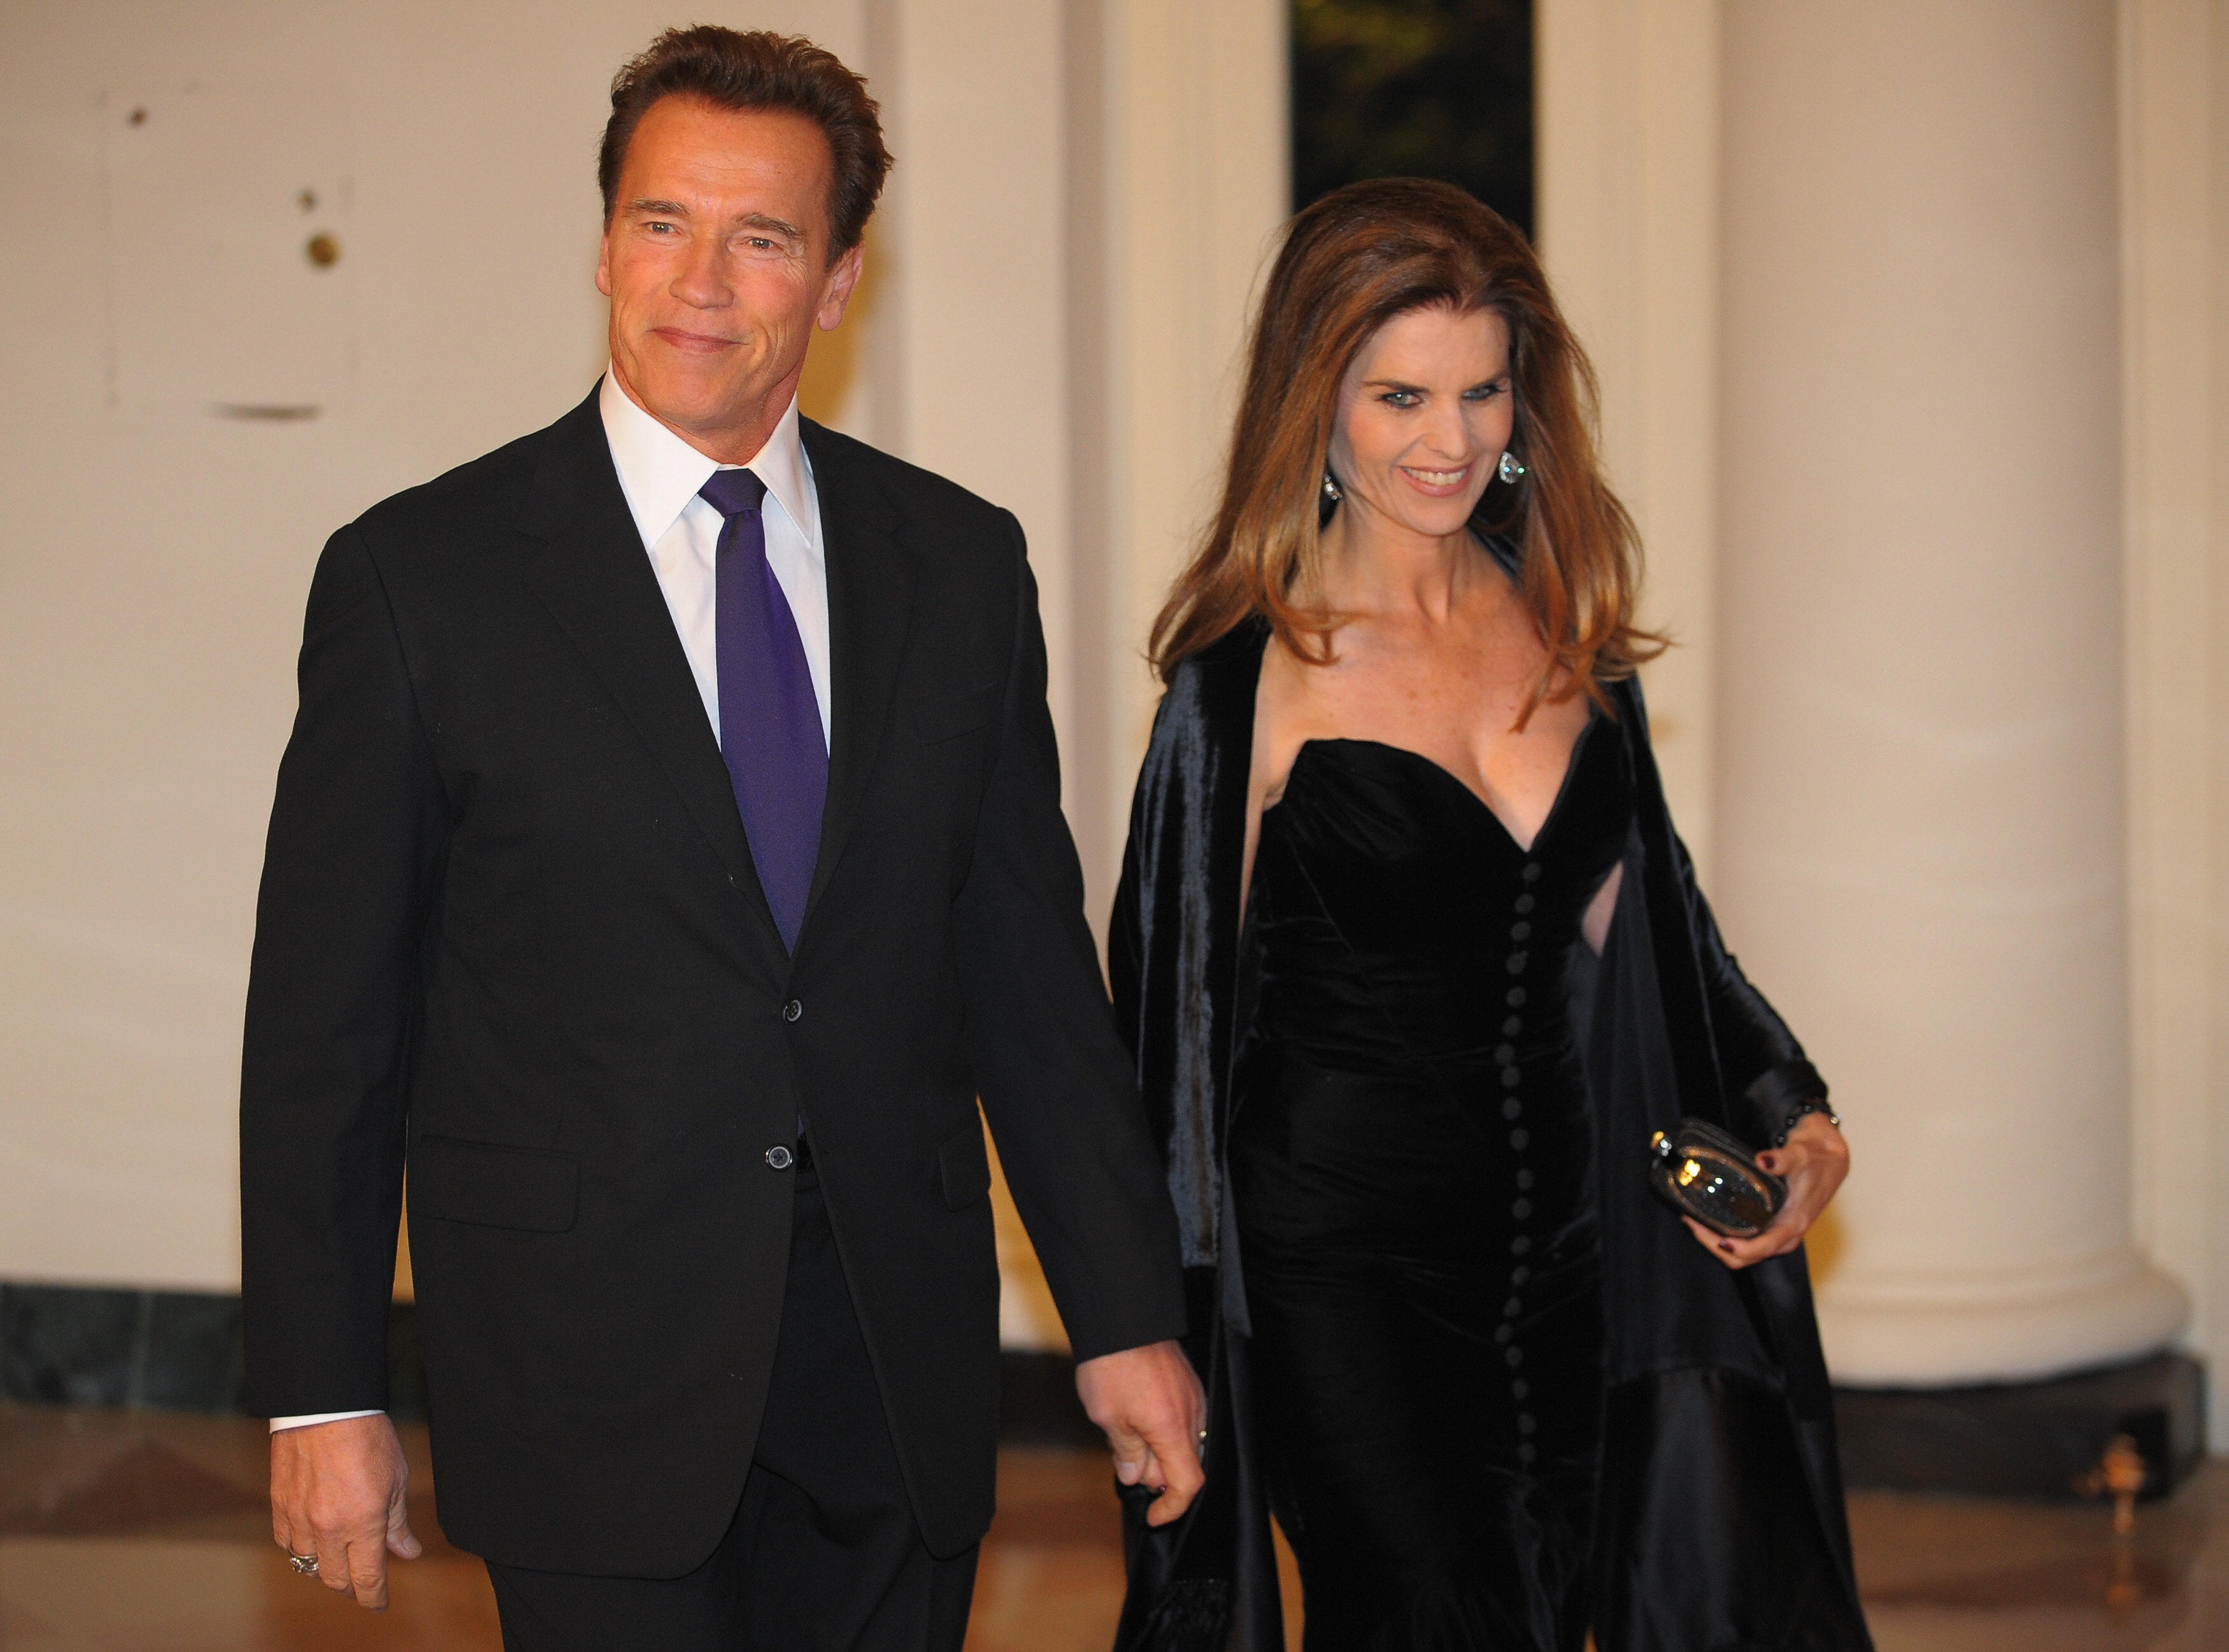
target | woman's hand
[{"x": 1814, "y": 1163}]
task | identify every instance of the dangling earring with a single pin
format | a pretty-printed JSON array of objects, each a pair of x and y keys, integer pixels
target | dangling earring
[
  {"x": 1332, "y": 495},
  {"x": 1509, "y": 469}
]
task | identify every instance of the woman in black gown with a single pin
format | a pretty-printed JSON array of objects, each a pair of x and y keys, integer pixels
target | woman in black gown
[{"x": 1399, "y": 802}]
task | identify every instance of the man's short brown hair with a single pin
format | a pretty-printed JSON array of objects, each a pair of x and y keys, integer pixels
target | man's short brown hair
[{"x": 734, "y": 69}]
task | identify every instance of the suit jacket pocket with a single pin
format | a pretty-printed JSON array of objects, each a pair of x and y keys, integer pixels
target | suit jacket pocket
[
  {"x": 493, "y": 1187},
  {"x": 965, "y": 1167},
  {"x": 946, "y": 717}
]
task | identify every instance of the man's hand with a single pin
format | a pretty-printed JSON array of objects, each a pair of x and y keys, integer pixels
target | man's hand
[
  {"x": 1149, "y": 1404},
  {"x": 1815, "y": 1161},
  {"x": 337, "y": 1494}
]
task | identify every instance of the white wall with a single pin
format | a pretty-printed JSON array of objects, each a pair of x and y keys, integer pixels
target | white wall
[
  {"x": 1088, "y": 186},
  {"x": 153, "y": 563},
  {"x": 1036, "y": 322}
]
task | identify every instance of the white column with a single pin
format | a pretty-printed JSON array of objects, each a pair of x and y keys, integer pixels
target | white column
[
  {"x": 2174, "y": 205},
  {"x": 963, "y": 347},
  {"x": 1057, "y": 287},
  {"x": 1921, "y": 754},
  {"x": 1181, "y": 176},
  {"x": 1058, "y": 294},
  {"x": 968, "y": 321},
  {"x": 1628, "y": 135}
]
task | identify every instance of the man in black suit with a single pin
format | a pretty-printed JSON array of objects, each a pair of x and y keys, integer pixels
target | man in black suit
[{"x": 667, "y": 855}]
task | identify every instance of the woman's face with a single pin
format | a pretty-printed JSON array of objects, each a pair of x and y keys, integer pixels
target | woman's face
[{"x": 1424, "y": 415}]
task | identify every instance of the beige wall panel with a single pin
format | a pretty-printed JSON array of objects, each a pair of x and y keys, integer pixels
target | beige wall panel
[
  {"x": 1197, "y": 174},
  {"x": 1112, "y": 342},
  {"x": 1627, "y": 133},
  {"x": 153, "y": 565},
  {"x": 966, "y": 337},
  {"x": 974, "y": 278}
]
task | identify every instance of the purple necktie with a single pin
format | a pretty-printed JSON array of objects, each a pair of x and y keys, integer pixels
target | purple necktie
[{"x": 769, "y": 721}]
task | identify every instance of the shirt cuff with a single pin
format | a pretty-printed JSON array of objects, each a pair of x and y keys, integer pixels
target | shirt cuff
[{"x": 279, "y": 1422}]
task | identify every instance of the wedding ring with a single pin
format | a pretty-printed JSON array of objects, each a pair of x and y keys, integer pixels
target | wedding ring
[{"x": 305, "y": 1565}]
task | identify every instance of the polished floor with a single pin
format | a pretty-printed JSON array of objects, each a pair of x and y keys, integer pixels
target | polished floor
[{"x": 135, "y": 1533}]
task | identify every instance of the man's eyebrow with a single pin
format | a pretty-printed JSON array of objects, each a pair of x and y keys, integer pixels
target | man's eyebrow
[
  {"x": 658, "y": 209},
  {"x": 766, "y": 221}
]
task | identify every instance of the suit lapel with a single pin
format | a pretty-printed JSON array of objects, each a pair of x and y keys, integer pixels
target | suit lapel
[
  {"x": 870, "y": 587},
  {"x": 591, "y": 572}
]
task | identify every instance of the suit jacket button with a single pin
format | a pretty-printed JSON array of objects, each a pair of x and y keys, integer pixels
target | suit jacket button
[
  {"x": 791, "y": 1010},
  {"x": 778, "y": 1156}
]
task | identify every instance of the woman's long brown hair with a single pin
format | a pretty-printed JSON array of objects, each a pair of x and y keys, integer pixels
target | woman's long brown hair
[{"x": 1350, "y": 263}]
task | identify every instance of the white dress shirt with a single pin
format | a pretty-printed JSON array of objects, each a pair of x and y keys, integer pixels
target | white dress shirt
[{"x": 660, "y": 473}]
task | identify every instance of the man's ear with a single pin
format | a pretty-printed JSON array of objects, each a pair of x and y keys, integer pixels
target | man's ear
[
  {"x": 835, "y": 293},
  {"x": 604, "y": 265}
]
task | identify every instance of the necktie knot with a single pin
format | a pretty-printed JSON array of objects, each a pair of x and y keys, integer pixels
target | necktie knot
[{"x": 733, "y": 493}]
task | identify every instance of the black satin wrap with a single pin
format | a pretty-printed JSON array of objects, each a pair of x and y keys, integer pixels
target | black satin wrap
[{"x": 1720, "y": 1524}]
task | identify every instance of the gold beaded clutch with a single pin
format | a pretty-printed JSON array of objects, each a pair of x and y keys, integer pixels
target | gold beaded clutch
[{"x": 1700, "y": 1171}]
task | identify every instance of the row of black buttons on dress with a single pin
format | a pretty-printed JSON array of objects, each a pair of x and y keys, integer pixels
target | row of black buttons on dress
[{"x": 1513, "y": 1112}]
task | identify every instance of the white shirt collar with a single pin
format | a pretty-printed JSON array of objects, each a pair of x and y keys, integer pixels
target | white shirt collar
[{"x": 660, "y": 473}]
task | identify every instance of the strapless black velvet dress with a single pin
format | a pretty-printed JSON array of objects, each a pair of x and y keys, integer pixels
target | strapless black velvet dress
[{"x": 1411, "y": 1172}]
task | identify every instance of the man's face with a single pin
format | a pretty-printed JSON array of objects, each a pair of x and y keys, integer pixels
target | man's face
[{"x": 715, "y": 261}]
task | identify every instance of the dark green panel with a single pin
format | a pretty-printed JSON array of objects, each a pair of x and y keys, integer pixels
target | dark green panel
[{"x": 1416, "y": 88}]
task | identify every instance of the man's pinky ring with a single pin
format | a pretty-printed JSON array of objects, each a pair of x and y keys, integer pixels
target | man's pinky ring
[{"x": 305, "y": 1565}]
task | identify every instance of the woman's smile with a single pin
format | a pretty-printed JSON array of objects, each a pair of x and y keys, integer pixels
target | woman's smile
[{"x": 1440, "y": 484}]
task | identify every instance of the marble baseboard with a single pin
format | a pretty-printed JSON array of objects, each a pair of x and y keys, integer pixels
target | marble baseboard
[
  {"x": 2026, "y": 1439},
  {"x": 153, "y": 1350},
  {"x": 180, "y": 1351}
]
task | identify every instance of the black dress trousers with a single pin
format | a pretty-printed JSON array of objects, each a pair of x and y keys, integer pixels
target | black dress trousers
[{"x": 824, "y": 1554}]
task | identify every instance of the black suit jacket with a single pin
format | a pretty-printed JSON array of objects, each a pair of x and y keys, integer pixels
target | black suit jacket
[{"x": 510, "y": 934}]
